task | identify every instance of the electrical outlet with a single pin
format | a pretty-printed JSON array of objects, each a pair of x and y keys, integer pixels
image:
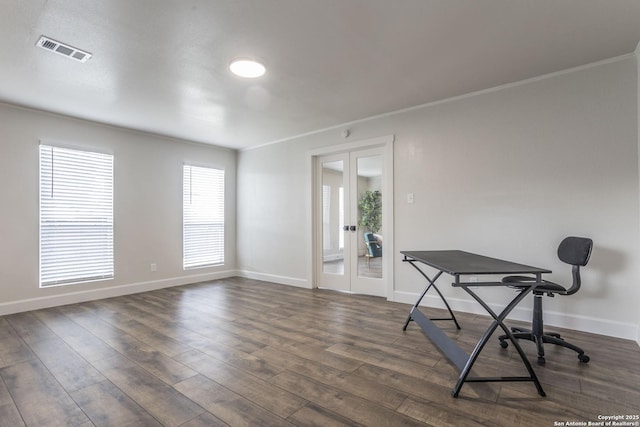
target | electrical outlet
[
  {"x": 473, "y": 279},
  {"x": 410, "y": 198},
  {"x": 153, "y": 266}
]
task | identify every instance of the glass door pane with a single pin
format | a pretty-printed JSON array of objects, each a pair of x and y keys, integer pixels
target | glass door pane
[
  {"x": 333, "y": 234},
  {"x": 370, "y": 232}
]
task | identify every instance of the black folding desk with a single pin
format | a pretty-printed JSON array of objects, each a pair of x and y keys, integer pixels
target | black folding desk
[{"x": 457, "y": 264}]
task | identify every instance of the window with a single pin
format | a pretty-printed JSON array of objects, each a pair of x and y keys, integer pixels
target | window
[
  {"x": 203, "y": 216},
  {"x": 326, "y": 216},
  {"x": 76, "y": 216}
]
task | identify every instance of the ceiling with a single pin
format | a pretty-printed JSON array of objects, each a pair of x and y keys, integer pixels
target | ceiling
[{"x": 162, "y": 65}]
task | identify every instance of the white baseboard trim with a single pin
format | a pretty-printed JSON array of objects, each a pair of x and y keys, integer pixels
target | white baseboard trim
[
  {"x": 593, "y": 325},
  {"x": 283, "y": 280},
  {"x": 106, "y": 292}
]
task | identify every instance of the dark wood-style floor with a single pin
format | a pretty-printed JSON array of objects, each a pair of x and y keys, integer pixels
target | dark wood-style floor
[{"x": 242, "y": 352}]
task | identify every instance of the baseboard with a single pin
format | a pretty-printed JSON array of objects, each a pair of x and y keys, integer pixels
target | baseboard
[
  {"x": 561, "y": 320},
  {"x": 106, "y": 292},
  {"x": 283, "y": 280}
]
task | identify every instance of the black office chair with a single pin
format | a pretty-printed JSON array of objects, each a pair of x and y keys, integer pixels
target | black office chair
[
  {"x": 373, "y": 246},
  {"x": 572, "y": 250}
]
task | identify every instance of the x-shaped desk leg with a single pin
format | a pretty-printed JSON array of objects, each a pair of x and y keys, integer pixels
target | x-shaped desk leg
[
  {"x": 432, "y": 283},
  {"x": 498, "y": 320}
]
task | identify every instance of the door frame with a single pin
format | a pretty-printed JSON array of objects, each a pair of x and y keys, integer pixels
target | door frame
[{"x": 385, "y": 142}]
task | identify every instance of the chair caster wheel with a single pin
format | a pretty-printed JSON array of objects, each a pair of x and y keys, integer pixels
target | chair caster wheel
[
  {"x": 583, "y": 358},
  {"x": 504, "y": 344},
  {"x": 541, "y": 361}
]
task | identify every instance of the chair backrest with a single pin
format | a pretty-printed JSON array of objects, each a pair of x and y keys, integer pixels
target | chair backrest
[{"x": 575, "y": 251}]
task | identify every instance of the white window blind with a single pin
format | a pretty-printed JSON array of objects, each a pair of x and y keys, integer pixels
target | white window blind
[
  {"x": 76, "y": 216},
  {"x": 203, "y": 216},
  {"x": 326, "y": 216}
]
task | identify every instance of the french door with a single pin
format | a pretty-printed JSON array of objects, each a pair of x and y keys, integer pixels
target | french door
[{"x": 349, "y": 232}]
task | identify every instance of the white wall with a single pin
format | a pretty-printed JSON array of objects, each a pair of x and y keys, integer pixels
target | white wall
[
  {"x": 273, "y": 214},
  {"x": 147, "y": 207},
  {"x": 506, "y": 173}
]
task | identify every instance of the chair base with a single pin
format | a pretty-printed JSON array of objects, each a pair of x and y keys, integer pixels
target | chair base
[
  {"x": 538, "y": 336},
  {"x": 539, "y": 340}
]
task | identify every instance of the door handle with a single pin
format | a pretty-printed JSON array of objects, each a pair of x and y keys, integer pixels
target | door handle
[
  {"x": 345, "y": 228},
  {"x": 352, "y": 228}
]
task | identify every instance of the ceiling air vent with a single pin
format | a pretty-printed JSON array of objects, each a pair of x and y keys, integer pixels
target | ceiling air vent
[{"x": 63, "y": 49}]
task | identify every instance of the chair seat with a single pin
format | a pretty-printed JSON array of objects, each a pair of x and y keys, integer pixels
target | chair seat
[{"x": 519, "y": 282}]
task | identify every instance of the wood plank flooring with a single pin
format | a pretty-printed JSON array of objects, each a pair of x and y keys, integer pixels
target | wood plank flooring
[{"x": 247, "y": 353}]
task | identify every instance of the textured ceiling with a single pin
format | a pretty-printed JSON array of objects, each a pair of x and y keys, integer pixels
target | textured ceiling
[{"x": 161, "y": 65}]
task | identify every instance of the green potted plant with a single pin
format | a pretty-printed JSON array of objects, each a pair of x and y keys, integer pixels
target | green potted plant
[{"x": 370, "y": 208}]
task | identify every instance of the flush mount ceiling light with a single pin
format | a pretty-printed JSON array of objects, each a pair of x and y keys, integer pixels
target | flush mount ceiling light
[{"x": 247, "y": 68}]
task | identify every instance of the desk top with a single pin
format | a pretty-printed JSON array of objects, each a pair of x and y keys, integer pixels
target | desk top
[{"x": 460, "y": 262}]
